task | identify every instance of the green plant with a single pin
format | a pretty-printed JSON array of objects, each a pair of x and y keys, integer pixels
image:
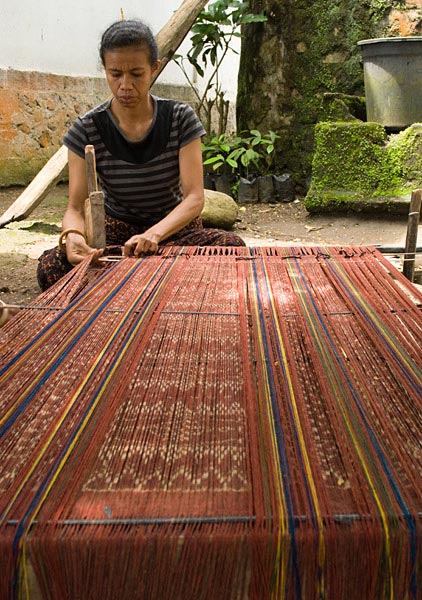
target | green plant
[
  {"x": 240, "y": 153},
  {"x": 213, "y": 33},
  {"x": 257, "y": 150},
  {"x": 217, "y": 151}
]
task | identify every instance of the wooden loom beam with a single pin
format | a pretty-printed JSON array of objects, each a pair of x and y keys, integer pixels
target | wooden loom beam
[
  {"x": 94, "y": 204},
  {"x": 169, "y": 38},
  {"x": 412, "y": 235}
]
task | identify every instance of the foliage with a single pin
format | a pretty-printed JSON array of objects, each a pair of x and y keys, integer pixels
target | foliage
[
  {"x": 240, "y": 154},
  {"x": 213, "y": 33}
]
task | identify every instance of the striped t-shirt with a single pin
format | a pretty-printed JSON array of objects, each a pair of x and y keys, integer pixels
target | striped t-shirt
[{"x": 140, "y": 180}]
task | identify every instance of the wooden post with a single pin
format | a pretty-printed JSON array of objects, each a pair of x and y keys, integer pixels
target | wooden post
[
  {"x": 94, "y": 204},
  {"x": 91, "y": 169},
  {"x": 169, "y": 39},
  {"x": 412, "y": 235}
]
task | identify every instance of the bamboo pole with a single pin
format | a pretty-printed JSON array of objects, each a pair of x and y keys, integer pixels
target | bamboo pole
[
  {"x": 412, "y": 235},
  {"x": 169, "y": 38},
  {"x": 174, "y": 32}
]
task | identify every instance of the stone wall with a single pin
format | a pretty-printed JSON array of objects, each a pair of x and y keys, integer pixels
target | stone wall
[
  {"x": 406, "y": 20},
  {"x": 36, "y": 109}
]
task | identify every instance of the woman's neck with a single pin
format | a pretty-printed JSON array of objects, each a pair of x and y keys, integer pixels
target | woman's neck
[{"x": 134, "y": 122}]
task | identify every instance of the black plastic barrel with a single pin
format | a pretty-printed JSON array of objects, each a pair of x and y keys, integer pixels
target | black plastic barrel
[{"x": 392, "y": 70}]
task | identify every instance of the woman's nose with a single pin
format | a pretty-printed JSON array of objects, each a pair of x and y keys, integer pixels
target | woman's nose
[{"x": 126, "y": 82}]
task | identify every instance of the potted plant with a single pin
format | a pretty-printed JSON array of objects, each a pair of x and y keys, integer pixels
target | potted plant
[
  {"x": 217, "y": 152},
  {"x": 256, "y": 152},
  {"x": 247, "y": 158}
]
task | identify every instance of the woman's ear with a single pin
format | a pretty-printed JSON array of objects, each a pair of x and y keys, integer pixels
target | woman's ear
[{"x": 156, "y": 67}]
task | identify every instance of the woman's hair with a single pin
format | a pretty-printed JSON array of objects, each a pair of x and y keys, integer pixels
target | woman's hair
[{"x": 132, "y": 32}]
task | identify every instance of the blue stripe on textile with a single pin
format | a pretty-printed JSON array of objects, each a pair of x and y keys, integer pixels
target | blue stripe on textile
[
  {"x": 285, "y": 471},
  {"x": 410, "y": 521},
  {"x": 54, "y": 321},
  {"x": 19, "y": 410},
  {"x": 413, "y": 382},
  {"x": 47, "y": 479},
  {"x": 289, "y": 407},
  {"x": 380, "y": 454}
]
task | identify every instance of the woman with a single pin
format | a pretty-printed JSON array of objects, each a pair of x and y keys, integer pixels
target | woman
[{"x": 148, "y": 158}]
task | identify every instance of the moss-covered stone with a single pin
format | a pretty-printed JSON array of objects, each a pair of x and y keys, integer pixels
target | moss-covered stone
[
  {"x": 356, "y": 166},
  {"x": 342, "y": 107},
  {"x": 404, "y": 153}
]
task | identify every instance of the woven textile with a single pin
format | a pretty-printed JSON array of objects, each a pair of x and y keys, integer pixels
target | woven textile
[{"x": 215, "y": 423}]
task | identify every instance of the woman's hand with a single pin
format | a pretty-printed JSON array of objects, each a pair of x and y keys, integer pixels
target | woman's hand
[
  {"x": 77, "y": 249},
  {"x": 141, "y": 243},
  {"x": 74, "y": 218}
]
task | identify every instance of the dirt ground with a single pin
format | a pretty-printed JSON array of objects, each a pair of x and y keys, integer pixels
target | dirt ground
[{"x": 260, "y": 225}]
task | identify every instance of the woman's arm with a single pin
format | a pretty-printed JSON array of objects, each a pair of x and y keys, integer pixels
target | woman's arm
[
  {"x": 74, "y": 217},
  {"x": 191, "y": 176}
]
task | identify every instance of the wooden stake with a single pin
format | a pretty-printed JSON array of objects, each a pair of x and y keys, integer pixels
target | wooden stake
[
  {"x": 91, "y": 169},
  {"x": 169, "y": 39},
  {"x": 412, "y": 235},
  {"x": 94, "y": 220}
]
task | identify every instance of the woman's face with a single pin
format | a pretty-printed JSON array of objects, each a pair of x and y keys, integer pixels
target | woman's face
[{"x": 129, "y": 74}]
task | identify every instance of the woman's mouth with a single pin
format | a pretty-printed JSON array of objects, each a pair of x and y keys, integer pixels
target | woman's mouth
[{"x": 126, "y": 99}]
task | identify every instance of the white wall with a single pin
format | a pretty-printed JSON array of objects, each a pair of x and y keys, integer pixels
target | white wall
[{"x": 62, "y": 36}]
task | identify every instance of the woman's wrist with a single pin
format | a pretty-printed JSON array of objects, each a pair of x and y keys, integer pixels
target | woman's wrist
[
  {"x": 153, "y": 234},
  {"x": 69, "y": 232}
]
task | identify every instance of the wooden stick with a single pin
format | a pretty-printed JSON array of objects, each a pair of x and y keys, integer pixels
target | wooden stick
[
  {"x": 91, "y": 169},
  {"x": 169, "y": 39},
  {"x": 385, "y": 249},
  {"x": 412, "y": 235},
  {"x": 5, "y": 313},
  {"x": 4, "y": 306},
  {"x": 38, "y": 189},
  {"x": 94, "y": 220}
]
